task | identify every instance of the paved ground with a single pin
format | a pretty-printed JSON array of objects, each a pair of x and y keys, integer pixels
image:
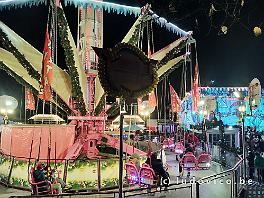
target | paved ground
[{"x": 214, "y": 190}]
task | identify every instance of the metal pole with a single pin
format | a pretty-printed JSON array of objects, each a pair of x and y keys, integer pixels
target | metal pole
[
  {"x": 244, "y": 146},
  {"x": 121, "y": 155}
]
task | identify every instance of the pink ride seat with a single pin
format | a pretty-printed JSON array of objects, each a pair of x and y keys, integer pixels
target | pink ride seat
[
  {"x": 204, "y": 161},
  {"x": 131, "y": 173},
  {"x": 189, "y": 161},
  {"x": 179, "y": 149},
  {"x": 147, "y": 175}
]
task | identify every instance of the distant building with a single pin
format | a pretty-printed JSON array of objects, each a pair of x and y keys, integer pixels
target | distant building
[{"x": 223, "y": 105}]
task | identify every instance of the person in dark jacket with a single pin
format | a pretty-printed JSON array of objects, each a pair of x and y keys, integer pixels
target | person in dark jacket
[
  {"x": 39, "y": 176},
  {"x": 158, "y": 168},
  {"x": 259, "y": 164},
  {"x": 251, "y": 164}
]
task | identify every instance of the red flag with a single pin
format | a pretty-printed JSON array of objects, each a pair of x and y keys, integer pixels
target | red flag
[
  {"x": 195, "y": 90},
  {"x": 58, "y": 4},
  {"x": 149, "y": 52},
  {"x": 140, "y": 109},
  {"x": 149, "y": 149},
  {"x": 152, "y": 100},
  {"x": 175, "y": 101},
  {"x": 30, "y": 101},
  {"x": 46, "y": 74}
]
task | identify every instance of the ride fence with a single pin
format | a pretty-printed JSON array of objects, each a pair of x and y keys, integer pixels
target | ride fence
[
  {"x": 79, "y": 175},
  {"x": 178, "y": 190},
  {"x": 228, "y": 183}
]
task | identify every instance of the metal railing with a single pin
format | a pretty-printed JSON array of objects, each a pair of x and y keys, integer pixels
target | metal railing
[
  {"x": 231, "y": 177},
  {"x": 126, "y": 193}
]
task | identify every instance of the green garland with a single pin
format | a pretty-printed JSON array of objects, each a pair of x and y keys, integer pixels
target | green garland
[
  {"x": 62, "y": 106},
  {"x": 138, "y": 28},
  {"x": 169, "y": 71},
  {"x": 100, "y": 106},
  {"x": 69, "y": 59},
  {"x": 171, "y": 54},
  {"x": 18, "y": 78},
  {"x": 7, "y": 44},
  {"x": 123, "y": 93},
  {"x": 113, "y": 110}
]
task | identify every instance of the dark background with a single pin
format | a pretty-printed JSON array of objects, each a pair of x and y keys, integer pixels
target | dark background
[{"x": 231, "y": 59}]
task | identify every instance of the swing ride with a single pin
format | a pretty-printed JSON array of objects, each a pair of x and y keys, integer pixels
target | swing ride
[{"x": 79, "y": 94}]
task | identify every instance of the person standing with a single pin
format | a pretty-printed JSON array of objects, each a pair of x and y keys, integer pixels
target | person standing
[
  {"x": 251, "y": 164},
  {"x": 259, "y": 164}
]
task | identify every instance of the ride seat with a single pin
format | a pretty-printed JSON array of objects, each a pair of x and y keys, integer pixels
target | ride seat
[
  {"x": 39, "y": 188},
  {"x": 131, "y": 173},
  {"x": 147, "y": 175},
  {"x": 179, "y": 148},
  {"x": 204, "y": 161},
  {"x": 189, "y": 161}
]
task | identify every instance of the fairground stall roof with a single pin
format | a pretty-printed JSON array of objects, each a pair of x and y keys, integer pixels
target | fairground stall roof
[{"x": 226, "y": 107}]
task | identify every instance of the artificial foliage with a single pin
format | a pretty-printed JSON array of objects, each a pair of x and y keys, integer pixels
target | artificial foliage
[
  {"x": 124, "y": 93},
  {"x": 114, "y": 110},
  {"x": 7, "y": 44},
  {"x": 18, "y": 78},
  {"x": 63, "y": 106},
  {"x": 173, "y": 68},
  {"x": 171, "y": 54},
  {"x": 100, "y": 106},
  {"x": 138, "y": 30},
  {"x": 77, "y": 93}
]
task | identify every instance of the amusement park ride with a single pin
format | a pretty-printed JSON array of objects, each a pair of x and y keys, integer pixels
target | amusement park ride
[{"x": 81, "y": 91}]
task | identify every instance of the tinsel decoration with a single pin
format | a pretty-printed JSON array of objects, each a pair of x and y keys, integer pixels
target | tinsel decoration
[
  {"x": 124, "y": 93},
  {"x": 69, "y": 59}
]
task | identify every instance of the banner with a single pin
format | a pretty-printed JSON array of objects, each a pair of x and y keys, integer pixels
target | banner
[
  {"x": 175, "y": 101},
  {"x": 30, "y": 100},
  {"x": 46, "y": 73},
  {"x": 195, "y": 90},
  {"x": 140, "y": 109},
  {"x": 152, "y": 100}
]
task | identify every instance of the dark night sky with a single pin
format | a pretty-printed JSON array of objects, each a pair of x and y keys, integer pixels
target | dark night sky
[{"x": 231, "y": 60}]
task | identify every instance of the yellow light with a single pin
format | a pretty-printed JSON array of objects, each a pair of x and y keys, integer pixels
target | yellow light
[
  {"x": 8, "y": 103},
  {"x": 201, "y": 103},
  {"x": 3, "y": 111},
  {"x": 10, "y": 111},
  {"x": 242, "y": 109}
]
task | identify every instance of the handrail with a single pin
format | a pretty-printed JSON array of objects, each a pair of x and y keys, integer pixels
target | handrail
[{"x": 223, "y": 172}]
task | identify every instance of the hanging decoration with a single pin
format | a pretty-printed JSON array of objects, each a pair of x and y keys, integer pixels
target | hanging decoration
[
  {"x": 169, "y": 26},
  {"x": 46, "y": 76},
  {"x": 257, "y": 31},
  {"x": 29, "y": 98},
  {"x": 6, "y": 4},
  {"x": 106, "y": 6},
  {"x": 175, "y": 101},
  {"x": 152, "y": 100},
  {"x": 195, "y": 90}
]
